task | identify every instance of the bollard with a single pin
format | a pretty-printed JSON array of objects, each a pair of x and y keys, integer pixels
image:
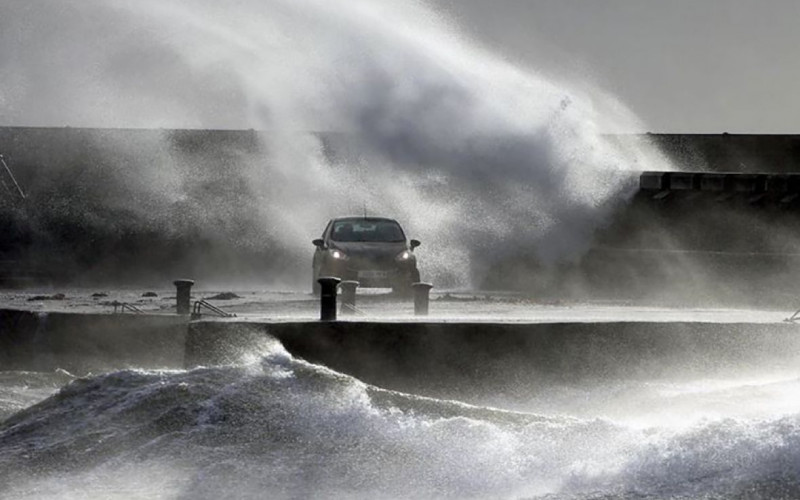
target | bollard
[
  {"x": 348, "y": 297},
  {"x": 421, "y": 298},
  {"x": 184, "y": 295},
  {"x": 327, "y": 299}
]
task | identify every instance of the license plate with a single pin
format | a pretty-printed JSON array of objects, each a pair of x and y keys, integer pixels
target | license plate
[{"x": 372, "y": 275}]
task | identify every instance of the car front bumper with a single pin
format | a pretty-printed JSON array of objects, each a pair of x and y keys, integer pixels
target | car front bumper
[{"x": 370, "y": 274}]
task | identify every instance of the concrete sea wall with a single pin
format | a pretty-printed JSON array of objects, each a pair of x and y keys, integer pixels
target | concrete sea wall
[
  {"x": 431, "y": 358},
  {"x": 448, "y": 357},
  {"x": 82, "y": 343}
]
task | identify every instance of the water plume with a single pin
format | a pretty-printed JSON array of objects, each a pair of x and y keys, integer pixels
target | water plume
[{"x": 359, "y": 104}]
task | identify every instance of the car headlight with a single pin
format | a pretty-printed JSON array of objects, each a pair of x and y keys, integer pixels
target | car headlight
[
  {"x": 338, "y": 255},
  {"x": 403, "y": 256}
]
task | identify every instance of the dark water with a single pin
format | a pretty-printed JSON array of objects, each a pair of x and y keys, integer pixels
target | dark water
[{"x": 274, "y": 426}]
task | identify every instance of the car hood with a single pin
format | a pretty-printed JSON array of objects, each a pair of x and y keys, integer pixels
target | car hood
[{"x": 370, "y": 249}]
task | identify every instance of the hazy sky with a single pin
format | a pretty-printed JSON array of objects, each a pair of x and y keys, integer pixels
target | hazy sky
[{"x": 681, "y": 65}]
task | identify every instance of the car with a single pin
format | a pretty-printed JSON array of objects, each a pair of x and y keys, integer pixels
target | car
[{"x": 371, "y": 250}]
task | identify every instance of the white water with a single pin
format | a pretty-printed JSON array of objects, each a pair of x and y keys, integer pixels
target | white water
[
  {"x": 464, "y": 147},
  {"x": 278, "y": 427}
]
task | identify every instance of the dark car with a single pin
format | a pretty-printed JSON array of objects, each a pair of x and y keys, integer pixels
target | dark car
[{"x": 371, "y": 250}]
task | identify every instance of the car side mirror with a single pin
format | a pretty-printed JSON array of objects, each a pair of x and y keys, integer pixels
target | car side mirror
[
  {"x": 414, "y": 244},
  {"x": 319, "y": 243}
]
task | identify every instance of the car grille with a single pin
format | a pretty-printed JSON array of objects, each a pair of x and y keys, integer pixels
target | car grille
[
  {"x": 369, "y": 264},
  {"x": 357, "y": 263}
]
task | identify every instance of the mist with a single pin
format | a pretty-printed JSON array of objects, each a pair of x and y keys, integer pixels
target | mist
[{"x": 479, "y": 158}]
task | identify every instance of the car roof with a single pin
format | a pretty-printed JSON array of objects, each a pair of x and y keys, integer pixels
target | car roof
[{"x": 357, "y": 218}]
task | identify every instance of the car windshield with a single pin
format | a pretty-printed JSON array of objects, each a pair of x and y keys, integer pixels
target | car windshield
[{"x": 383, "y": 231}]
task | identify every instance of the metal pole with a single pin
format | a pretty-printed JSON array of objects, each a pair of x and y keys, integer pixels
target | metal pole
[
  {"x": 327, "y": 299},
  {"x": 348, "y": 297},
  {"x": 184, "y": 295},
  {"x": 8, "y": 170},
  {"x": 421, "y": 298}
]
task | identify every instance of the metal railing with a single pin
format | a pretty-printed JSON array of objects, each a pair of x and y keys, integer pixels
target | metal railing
[
  {"x": 351, "y": 309},
  {"x": 122, "y": 307},
  {"x": 794, "y": 317},
  {"x": 17, "y": 191},
  {"x": 202, "y": 304}
]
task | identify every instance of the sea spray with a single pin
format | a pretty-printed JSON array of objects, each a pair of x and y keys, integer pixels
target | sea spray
[
  {"x": 481, "y": 159},
  {"x": 273, "y": 425},
  {"x": 280, "y": 427}
]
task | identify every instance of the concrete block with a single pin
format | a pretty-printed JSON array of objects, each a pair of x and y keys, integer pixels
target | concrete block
[
  {"x": 684, "y": 181},
  {"x": 783, "y": 183},
  {"x": 715, "y": 182},
  {"x": 748, "y": 183},
  {"x": 654, "y": 181}
]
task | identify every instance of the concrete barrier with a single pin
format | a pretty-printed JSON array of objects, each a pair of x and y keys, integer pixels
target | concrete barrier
[
  {"x": 783, "y": 183},
  {"x": 434, "y": 358},
  {"x": 715, "y": 182},
  {"x": 654, "y": 181},
  {"x": 82, "y": 343},
  {"x": 684, "y": 181},
  {"x": 446, "y": 358},
  {"x": 748, "y": 183}
]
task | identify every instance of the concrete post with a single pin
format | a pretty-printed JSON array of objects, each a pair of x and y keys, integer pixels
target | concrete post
[
  {"x": 184, "y": 295},
  {"x": 421, "y": 298},
  {"x": 348, "y": 297},
  {"x": 327, "y": 299}
]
